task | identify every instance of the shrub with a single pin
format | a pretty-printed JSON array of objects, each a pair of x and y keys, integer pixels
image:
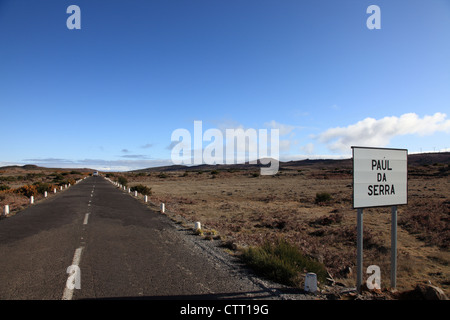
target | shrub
[
  {"x": 58, "y": 178},
  {"x": 122, "y": 181},
  {"x": 430, "y": 225},
  {"x": 322, "y": 197},
  {"x": 27, "y": 190},
  {"x": 4, "y": 187},
  {"x": 328, "y": 220},
  {"x": 146, "y": 191},
  {"x": 282, "y": 262},
  {"x": 9, "y": 178},
  {"x": 41, "y": 187}
]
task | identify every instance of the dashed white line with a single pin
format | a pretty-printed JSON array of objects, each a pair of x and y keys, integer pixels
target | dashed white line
[
  {"x": 86, "y": 217},
  {"x": 68, "y": 290},
  {"x": 74, "y": 269}
]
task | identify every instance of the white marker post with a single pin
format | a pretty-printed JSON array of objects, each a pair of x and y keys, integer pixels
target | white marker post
[
  {"x": 145, "y": 199},
  {"x": 45, "y": 194},
  {"x": 31, "y": 200},
  {"x": 311, "y": 282},
  {"x": 6, "y": 211},
  {"x": 163, "y": 208},
  {"x": 380, "y": 178}
]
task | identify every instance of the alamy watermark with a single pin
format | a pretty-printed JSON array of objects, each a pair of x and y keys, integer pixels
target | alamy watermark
[
  {"x": 74, "y": 279},
  {"x": 74, "y": 20},
  {"x": 374, "y": 280},
  {"x": 238, "y": 146},
  {"x": 372, "y": 22}
]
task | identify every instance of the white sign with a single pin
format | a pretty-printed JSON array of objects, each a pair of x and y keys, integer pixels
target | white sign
[{"x": 379, "y": 177}]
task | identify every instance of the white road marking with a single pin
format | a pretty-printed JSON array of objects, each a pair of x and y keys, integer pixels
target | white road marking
[
  {"x": 68, "y": 293},
  {"x": 86, "y": 217}
]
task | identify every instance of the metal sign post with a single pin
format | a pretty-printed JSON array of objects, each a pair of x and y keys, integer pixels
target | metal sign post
[
  {"x": 380, "y": 177},
  {"x": 359, "y": 249},
  {"x": 393, "y": 247}
]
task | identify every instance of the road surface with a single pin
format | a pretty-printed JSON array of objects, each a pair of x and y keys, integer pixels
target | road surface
[{"x": 94, "y": 241}]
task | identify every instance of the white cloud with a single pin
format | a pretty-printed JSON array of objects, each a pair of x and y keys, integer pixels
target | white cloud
[
  {"x": 99, "y": 164},
  {"x": 295, "y": 157},
  {"x": 308, "y": 148},
  {"x": 284, "y": 145},
  {"x": 284, "y": 128},
  {"x": 378, "y": 133},
  {"x": 335, "y": 107}
]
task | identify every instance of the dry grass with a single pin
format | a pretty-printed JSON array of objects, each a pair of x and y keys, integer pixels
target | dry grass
[
  {"x": 247, "y": 209},
  {"x": 17, "y": 184}
]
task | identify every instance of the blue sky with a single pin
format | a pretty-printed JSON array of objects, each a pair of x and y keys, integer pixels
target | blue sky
[{"x": 109, "y": 96}]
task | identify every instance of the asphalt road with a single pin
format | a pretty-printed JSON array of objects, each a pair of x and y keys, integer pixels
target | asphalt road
[{"x": 118, "y": 248}]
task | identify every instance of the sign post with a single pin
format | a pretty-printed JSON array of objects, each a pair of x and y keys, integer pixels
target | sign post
[
  {"x": 359, "y": 248},
  {"x": 394, "y": 246},
  {"x": 379, "y": 179}
]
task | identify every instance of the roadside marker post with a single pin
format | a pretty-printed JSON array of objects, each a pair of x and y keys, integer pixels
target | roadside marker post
[
  {"x": 311, "y": 282},
  {"x": 6, "y": 210},
  {"x": 380, "y": 178}
]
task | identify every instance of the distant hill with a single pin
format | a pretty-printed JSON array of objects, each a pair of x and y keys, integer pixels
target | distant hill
[
  {"x": 29, "y": 167},
  {"x": 25, "y": 167},
  {"x": 419, "y": 159}
]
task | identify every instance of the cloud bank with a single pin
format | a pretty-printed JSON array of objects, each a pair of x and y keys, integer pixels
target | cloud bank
[
  {"x": 99, "y": 164},
  {"x": 378, "y": 133}
]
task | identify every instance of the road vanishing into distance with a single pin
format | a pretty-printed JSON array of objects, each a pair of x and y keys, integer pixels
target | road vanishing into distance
[{"x": 94, "y": 241}]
